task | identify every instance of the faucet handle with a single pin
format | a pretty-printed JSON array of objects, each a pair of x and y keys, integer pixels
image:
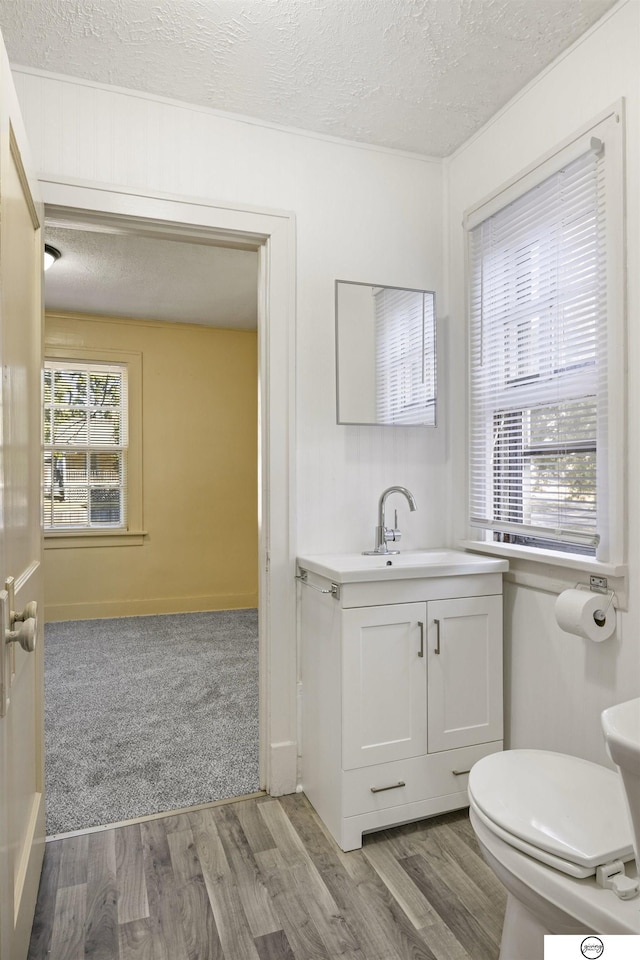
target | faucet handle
[{"x": 393, "y": 534}]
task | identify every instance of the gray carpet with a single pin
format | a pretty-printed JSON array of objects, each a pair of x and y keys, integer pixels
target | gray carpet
[{"x": 149, "y": 714}]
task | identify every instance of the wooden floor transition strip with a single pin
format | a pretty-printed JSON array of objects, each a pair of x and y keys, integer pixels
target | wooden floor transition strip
[{"x": 154, "y": 816}]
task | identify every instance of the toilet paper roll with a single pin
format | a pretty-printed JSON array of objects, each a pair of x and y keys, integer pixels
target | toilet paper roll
[{"x": 586, "y": 614}]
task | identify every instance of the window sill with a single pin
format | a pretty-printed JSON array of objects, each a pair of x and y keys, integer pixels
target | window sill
[
  {"x": 552, "y": 572},
  {"x": 92, "y": 538}
]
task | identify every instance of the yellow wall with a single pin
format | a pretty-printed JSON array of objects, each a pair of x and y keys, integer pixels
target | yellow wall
[{"x": 199, "y": 455}]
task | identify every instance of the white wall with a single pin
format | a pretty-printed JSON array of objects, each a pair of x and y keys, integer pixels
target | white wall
[
  {"x": 362, "y": 214},
  {"x": 558, "y": 684}
]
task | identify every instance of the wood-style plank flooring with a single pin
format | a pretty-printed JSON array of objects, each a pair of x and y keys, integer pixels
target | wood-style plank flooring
[{"x": 261, "y": 879}]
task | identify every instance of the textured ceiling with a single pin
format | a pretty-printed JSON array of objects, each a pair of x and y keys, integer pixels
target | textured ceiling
[
  {"x": 131, "y": 276},
  {"x": 418, "y": 75}
]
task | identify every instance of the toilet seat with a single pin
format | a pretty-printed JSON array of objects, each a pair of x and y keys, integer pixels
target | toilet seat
[
  {"x": 561, "y": 903},
  {"x": 564, "y": 811}
]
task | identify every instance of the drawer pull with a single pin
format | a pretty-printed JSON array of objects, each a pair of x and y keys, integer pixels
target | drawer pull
[
  {"x": 459, "y": 773},
  {"x": 393, "y": 786}
]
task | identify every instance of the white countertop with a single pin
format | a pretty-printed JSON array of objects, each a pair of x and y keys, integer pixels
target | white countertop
[{"x": 410, "y": 564}]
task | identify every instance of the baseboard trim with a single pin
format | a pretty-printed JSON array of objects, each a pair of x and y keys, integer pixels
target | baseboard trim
[
  {"x": 283, "y": 768},
  {"x": 56, "y": 612}
]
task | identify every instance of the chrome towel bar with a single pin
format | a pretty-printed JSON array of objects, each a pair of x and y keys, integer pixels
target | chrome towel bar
[{"x": 333, "y": 590}]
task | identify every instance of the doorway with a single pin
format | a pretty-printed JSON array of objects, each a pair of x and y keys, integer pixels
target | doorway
[
  {"x": 150, "y": 511},
  {"x": 272, "y": 236}
]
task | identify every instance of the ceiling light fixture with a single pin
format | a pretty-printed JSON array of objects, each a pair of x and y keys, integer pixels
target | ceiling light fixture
[{"x": 51, "y": 254}]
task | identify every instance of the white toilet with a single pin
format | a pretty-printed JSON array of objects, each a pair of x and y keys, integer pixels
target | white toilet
[
  {"x": 554, "y": 828},
  {"x": 621, "y": 725}
]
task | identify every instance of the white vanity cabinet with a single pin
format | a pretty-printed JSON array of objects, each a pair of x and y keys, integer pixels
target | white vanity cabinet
[
  {"x": 384, "y": 664},
  {"x": 401, "y": 693},
  {"x": 464, "y": 672}
]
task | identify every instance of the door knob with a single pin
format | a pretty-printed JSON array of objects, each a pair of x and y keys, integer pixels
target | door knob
[
  {"x": 25, "y": 635},
  {"x": 27, "y": 630},
  {"x": 30, "y": 612}
]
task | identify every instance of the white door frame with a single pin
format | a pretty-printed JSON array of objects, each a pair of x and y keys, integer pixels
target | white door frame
[{"x": 273, "y": 234}]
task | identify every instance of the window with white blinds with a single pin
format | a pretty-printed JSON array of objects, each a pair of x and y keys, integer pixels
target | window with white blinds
[
  {"x": 539, "y": 360},
  {"x": 405, "y": 356},
  {"x": 85, "y": 445}
]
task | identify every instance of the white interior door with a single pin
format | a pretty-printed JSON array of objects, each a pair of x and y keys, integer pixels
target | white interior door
[{"x": 21, "y": 670}]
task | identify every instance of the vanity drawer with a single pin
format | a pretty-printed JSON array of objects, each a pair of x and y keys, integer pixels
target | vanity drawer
[{"x": 408, "y": 781}]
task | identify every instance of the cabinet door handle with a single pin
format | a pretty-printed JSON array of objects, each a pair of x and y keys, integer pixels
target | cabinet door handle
[
  {"x": 421, "y": 651},
  {"x": 392, "y": 786},
  {"x": 437, "y": 623}
]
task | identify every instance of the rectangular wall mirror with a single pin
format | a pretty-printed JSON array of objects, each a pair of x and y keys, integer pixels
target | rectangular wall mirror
[{"x": 385, "y": 355}]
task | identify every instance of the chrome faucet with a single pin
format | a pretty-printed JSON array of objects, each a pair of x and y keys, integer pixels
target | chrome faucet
[{"x": 384, "y": 535}]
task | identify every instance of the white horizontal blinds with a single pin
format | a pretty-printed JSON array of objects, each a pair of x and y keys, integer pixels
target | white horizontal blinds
[
  {"x": 538, "y": 359},
  {"x": 405, "y": 355},
  {"x": 85, "y": 445}
]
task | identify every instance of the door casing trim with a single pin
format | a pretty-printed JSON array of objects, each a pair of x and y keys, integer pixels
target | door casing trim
[{"x": 272, "y": 234}]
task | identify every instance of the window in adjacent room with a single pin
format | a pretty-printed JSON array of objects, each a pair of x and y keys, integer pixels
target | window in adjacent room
[
  {"x": 85, "y": 445},
  {"x": 546, "y": 323}
]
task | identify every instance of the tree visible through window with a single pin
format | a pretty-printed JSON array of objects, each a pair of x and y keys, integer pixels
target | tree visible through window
[{"x": 85, "y": 445}]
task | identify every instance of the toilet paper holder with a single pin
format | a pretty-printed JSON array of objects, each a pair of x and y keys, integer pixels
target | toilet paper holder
[{"x": 598, "y": 585}]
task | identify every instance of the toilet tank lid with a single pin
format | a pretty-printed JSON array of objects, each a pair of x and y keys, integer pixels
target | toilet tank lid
[{"x": 566, "y": 806}]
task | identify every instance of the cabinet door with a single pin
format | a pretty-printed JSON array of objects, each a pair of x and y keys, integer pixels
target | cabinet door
[
  {"x": 465, "y": 672},
  {"x": 384, "y": 688}
]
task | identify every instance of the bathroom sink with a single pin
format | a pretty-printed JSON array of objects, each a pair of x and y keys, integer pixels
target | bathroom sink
[{"x": 410, "y": 564}]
